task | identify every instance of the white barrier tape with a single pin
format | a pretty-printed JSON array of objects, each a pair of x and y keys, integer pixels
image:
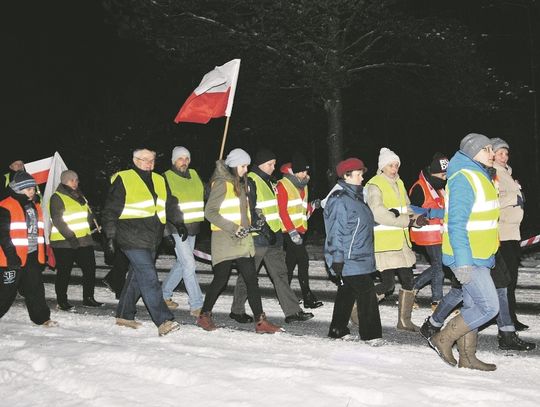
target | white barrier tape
[{"x": 530, "y": 241}]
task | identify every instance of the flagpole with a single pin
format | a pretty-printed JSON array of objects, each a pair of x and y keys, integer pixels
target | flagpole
[{"x": 224, "y": 138}]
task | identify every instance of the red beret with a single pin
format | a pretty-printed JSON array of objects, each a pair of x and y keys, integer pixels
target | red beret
[{"x": 350, "y": 164}]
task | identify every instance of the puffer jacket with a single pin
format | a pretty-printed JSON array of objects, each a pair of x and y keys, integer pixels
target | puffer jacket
[
  {"x": 349, "y": 231},
  {"x": 224, "y": 245},
  {"x": 511, "y": 202}
]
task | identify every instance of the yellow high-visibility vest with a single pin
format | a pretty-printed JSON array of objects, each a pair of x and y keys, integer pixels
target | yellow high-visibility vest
[
  {"x": 230, "y": 208},
  {"x": 75, "y": 215},
  {"x": 266, "y": 202},
  {"x": 296, "y": 206},
  {"x": 190, "y": 194}
]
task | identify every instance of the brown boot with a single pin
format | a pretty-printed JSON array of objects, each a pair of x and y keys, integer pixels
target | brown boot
[
  {"x": 467, "y": 353},
  {"x": 205, "y": 321},
  {"x": 405, "y": 306},
  {"x": 443, "y": 340},
  {"x": 264, "y": 327}
]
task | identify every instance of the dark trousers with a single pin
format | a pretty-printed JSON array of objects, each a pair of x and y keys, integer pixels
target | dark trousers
[
  {"x": 116, "y": 277},
  {"x": 222, "y": 272},
  {"x": 388, "y": 281},
  {"x": 511, "y": 253},
  {"x": 296, "y": 255},
  {"x": 65, "y": 258},
  {"x": 362, "y": 290},
  {"x": 29, "y": 282}
]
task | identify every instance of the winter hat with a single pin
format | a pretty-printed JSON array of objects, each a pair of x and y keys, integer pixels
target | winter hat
[
  {"x": 67, "y": 176},
  {"x": 179, "y": 152},
  {"x": 472, "y": 144},
  {"x": 499, "y": 143},
  {"x": 350, "y": 164},
  {"x": 263, "y": 155},
  {"x": 387, "y": 156},
  {"x": 22, "y": 180},
  {"x": 299, "y": 163},
  {"x": 438, "y": 164},
  {"x": 237, "y": 157}
]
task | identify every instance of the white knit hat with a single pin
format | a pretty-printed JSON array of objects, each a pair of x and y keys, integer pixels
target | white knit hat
[
  {"x": 237, "y": 157},
  {"x": 387, "y": 156},
  {"x": 178, "y": 152}
]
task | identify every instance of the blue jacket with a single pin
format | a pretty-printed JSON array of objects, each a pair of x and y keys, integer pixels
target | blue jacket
[
  {"x": 349, "y": 231},
  {"x": 459, "y": 210}
]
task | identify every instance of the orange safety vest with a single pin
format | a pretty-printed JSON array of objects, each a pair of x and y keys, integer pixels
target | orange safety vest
[
  {"x": 431, "y": 234},
  {"x": 18, "y": 231}
]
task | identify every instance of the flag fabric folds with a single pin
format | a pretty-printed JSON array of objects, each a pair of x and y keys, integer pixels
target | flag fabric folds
[
  {"x": 53, "y": 180},
  {"x": 213, "y": 97},
  {"x": 39, "y": 169}
]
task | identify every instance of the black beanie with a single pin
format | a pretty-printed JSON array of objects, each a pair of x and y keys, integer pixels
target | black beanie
[
  {"x": 299, "y": 163},
  {"x": 263, "y": 155},
  {"x": 438, "y": 164},
  {"x": 22, "y": 180}
]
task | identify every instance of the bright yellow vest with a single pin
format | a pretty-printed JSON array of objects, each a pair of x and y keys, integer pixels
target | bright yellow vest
[
  {"x": 190, "y": 194},
  {"x": 296, "y": 206},
  {"x": 390, "y": 237},
  {"x": 230, "y": 208},
  {"x": 266, "y": 202},
  {"x": 75, "y": 215},
  {"x": 483, "y": 223},
  {"x": 139, "y": 202}
]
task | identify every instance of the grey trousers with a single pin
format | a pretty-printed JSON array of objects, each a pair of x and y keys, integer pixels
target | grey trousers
[{"x": 274, "y": 260}]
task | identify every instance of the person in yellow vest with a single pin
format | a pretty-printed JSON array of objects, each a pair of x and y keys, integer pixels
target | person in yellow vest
[
  {"x": 186, "y": 185},
  {"x": 139, "y": 204},
  {"x": 294, "y": 211},
  {"x": 71, "y": 239},
  {"x": 388, "y": 200},
  {"x": 22, "y": 250},
  {"x": 268, "y": 242},
  {"x": 470, "y": 241},
  {"x": 227, "y": 210}
]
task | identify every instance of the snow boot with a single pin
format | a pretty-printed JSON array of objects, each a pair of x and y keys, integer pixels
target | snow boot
[
  {"x": 467, "y": 353},
  {"x": 264, "y": 327},
  {"x": 511, "y": 341},
  {"x": 167, "y": 327},
  {"x": 427, "y": 330},
  {"x": 405, "y": 305},
  {"x": 443, "y": 340},
  {"x": 204, "y": 320}
]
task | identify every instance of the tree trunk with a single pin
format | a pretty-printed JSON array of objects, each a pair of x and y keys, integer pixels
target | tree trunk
[{"x": 334, "y": 112}]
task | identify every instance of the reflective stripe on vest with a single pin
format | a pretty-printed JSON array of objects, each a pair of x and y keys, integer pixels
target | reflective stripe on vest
[
  {"x": 190, "y": 194},
  {"x": 430, "y": 234},
  {"x": 230, "y": 208},
  {"x": 266, "y": 202},
  {"x": 139, "y": 202},
  {"x": 76, "y": 217},
  {"x": 388, "y": 238},
  {"x": 296, "y": 206},
  {"x": 18, "y": 232},
  {"x": 482, "y": 226}
]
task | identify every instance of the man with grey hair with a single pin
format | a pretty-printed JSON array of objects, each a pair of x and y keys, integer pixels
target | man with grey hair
[{"x": 71, "y": 239}]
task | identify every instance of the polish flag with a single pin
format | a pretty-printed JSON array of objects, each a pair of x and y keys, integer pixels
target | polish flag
[
  {"x": 39, "y": 169},
  {"x": 56, "y": 168},
  {"x": 213, "y": 97}
]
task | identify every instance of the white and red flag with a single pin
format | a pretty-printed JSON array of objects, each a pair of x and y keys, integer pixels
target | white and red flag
[
  {"x": 213, "y": 97},
  {"x": 39, "y": 169}
]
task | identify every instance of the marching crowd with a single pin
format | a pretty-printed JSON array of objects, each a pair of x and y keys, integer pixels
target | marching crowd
[{"x": 464, "y": 213}]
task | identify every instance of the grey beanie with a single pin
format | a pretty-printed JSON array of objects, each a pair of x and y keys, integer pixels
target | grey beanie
[
  {"x": 499, "y": 143},
  {"x": 22, "y": 180},
  {"x": 472, "y": 143},
  {"x": 237, "y": 157},
  {"x": 67, "y": 176},
  {"x": 178, "y": 152}
]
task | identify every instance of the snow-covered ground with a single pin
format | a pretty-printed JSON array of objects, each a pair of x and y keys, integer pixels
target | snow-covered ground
[{"x": 89, "y": 361}]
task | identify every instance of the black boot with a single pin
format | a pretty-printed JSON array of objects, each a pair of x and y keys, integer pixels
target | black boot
[
  {"x": 310, "y": 301},
  {"x": 299, "y": 316},
  {"x": 338, "y": 333},
  {"x": 91, "y": 302},
  {"x": 242, "y": 318},
  {"x": 64, "y": 306},
  {"x": 520, "y": 326},
  {"x": 511, "y": 341},
  {"x": 427, "y": 330}
]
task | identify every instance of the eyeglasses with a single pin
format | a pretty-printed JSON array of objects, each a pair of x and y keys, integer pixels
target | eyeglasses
[{"x": 146, "y": 160}]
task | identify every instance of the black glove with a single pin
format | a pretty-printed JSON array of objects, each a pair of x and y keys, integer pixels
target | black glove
[
  {"x": 109, "y": 250},
  {"x": 338, "y": 269},
  {"x": 182, "y": 231},
  {"x": 422, "y": 221},
  {"x": 73, "y": 242},
  {"x": 268, "y": 234},
  {"x": 395, "y": 212}
]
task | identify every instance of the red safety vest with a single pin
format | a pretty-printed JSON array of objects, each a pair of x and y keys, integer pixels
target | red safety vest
[
  {"x": 430, "y": 234},
  {"x": 18, "y": 231}
]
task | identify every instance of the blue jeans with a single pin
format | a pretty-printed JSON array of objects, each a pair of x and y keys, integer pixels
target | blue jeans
[
  {"x": 184, "y": 268},
  {"x": 447, "y": 304},
  {"x": 504, "y": 319},
  {"x": 142, "y": 280},
  {"x": 433, "y": 274}
]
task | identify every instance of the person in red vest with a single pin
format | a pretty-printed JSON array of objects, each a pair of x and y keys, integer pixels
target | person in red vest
[
  {"x": 427, "y": 196},
  {"x": 22, "y": 250}
]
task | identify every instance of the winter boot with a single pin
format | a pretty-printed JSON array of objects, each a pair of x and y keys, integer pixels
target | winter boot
[
  {"x": 443, "y": 340},
  {"x": 511, "y": 341},
  {"x": 310, "y": 301},
  {"x": 405, "y": 305},
  {"x": 130, "y": 323},
  {"x": 520, "y": 326},
  {"x": 264, "y": 327},
  {"x": 427, "y": 330},
  {"x": 171, "y": 304},
  {"x": 167, "y": 327},
  {"x": 354, "y": 314},
  {"x": 241, "y": 318},
  {"x": 205, "y": 321},
  {"x": 467, "y": 353},
  {"x": 64, "y": 306},
  {"x": 91, "y": 302}
]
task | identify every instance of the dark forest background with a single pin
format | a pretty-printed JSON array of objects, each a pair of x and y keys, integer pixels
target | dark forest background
[{"x": 95, "y": 79}]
